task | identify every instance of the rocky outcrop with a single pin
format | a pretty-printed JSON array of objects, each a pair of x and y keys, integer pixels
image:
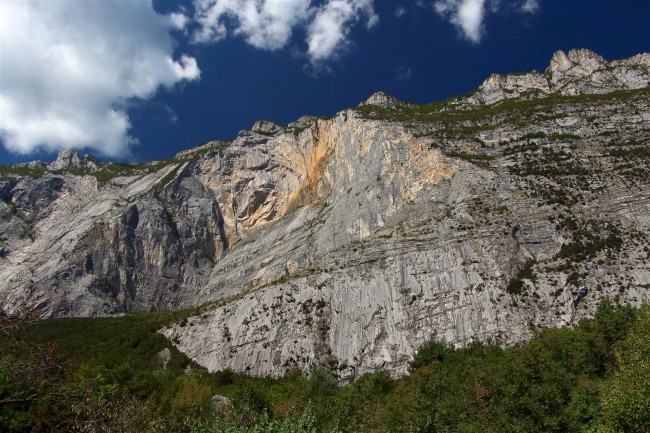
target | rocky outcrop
[
  {"x": 69, "y": 159},
  {"x": 581, "y": 71},
  {"x": 382, "y": 99},
  {"x": 500, "y": 87},
  {"x": 267, "y": 127},
  {"x": 348, "y": 242}
]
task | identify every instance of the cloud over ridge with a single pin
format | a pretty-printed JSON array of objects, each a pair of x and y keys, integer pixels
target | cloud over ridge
[
  {"x": 270, "y": 24},
  {"x": 469, "y": 15},
  {"x": 69, "y": 68},
  {"x": 266, "y": 24},
  {"x": 328, "y": 32}
]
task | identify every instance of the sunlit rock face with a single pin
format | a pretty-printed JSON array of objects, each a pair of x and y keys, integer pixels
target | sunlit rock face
[
  {"x": 581, "y": 71},
  {"x": 348, "y": 242}
]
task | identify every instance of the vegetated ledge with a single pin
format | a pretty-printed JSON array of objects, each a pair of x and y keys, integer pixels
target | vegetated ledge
[
  {"x": 446, "y": 112},
  {"x": 105, "y": 171}
]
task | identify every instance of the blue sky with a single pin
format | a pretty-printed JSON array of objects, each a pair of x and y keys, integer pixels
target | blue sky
[{"x": 135, "y": 80}]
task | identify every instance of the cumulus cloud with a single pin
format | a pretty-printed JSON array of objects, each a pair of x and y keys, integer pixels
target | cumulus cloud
[
  {"x": 269, "y": 24},
  {"x": 69, "y": 69},
  {"x": 266, "y": 24},
  {"x": 179, "y": 20},
  {"x": 400, "y": 11},
  {"x": 530, "y": 6},
  {"x": 467, "y": 15},
  {"x": 328, "y": 33}
]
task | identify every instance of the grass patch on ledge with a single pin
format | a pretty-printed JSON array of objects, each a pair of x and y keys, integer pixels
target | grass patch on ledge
[
  {"x": 482, "y": 161},
  {"x": 8, "y": 172}
]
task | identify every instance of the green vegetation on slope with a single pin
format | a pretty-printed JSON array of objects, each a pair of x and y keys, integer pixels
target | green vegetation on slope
[
  {"x": 106, "y": 375},
  {"x": 8, "y": 171},
  {"x": 482, "y": 161},
  {"x": 446, "y": 112},
  {"x": 516, "y": 285},
  {"x": 111, "y": 170}
]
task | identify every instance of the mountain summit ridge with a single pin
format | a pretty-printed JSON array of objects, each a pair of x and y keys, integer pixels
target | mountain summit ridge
[{"x": 580, "y": 71}]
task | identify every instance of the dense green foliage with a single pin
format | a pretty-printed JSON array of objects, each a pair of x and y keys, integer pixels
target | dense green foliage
[
  {"x": 589, "y": 238},
  {"x": 516, "y": 285},
  {"x": 482, "y": 161},
  {"x": 106, "y": 375}
]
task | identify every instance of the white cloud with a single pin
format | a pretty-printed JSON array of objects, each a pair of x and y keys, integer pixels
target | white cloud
[
  {"x": 328, "y": 33},
  {"x": 467, "y": 15},
  {"x": 179, "y": 20},
  {"x": 69, "y": 68},
  {"x": 269, "y": 24},
  {"x": 400, "y": 11},
  {"x": 186, "y": 68},
  {"x": 530, "y": 6},
  {"x": 265, "y": 24}
]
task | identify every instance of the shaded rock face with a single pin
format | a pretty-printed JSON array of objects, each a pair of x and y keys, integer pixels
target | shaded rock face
[{"x": 348, "y": 242}]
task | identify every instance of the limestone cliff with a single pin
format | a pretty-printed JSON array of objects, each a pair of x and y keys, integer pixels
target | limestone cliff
[{"x": 348, "y": 242}]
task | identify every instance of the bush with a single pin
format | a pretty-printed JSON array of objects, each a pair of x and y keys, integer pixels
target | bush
[{"x": 516, "y": 284}]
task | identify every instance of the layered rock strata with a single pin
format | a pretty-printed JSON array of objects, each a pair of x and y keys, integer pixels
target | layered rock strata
[{"x": 348, "y": 242}]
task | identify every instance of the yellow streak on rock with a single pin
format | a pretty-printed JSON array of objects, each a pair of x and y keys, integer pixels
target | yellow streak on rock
[{"x": 311, "y": 162}]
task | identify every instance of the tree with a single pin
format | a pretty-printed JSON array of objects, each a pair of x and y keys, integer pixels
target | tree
[{"x": 625, "y": 398}]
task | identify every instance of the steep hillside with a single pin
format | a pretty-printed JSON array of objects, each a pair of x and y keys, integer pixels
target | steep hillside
[{"x": 350, "y": 241}]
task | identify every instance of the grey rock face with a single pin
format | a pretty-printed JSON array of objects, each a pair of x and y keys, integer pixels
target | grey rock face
[
  {"x": 581, "y": 71},
  {"x": 500, "y": 87},
  {"x": 440, "y": 265},
  {"x": 348, "y": 242},
  {"x": 435, "y": 271},
  {"x": 382, "y": 99},
  {"x": 69, "y": 158},
  {"x": 266, "y": 127}
]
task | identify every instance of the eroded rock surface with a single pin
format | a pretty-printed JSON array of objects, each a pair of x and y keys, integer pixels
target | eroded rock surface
[
  {"x": 581, "y": 71},
  {"x": 350, "y": 241}
]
